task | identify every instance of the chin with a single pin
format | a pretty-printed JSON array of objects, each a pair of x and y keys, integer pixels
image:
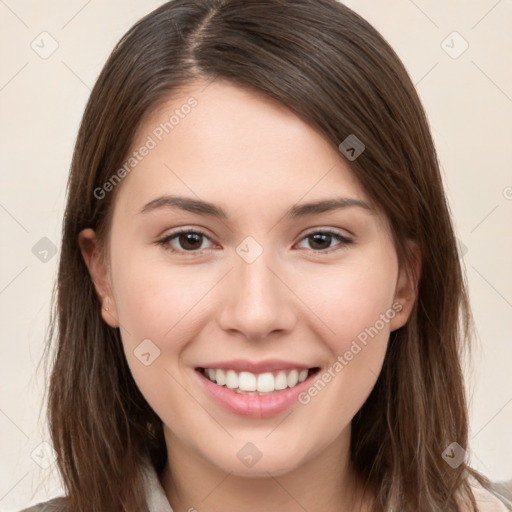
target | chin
[{"x": 274, "y": 464}]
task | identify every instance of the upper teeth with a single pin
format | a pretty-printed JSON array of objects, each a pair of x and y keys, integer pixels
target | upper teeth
[{"x": 263, "y": 382}]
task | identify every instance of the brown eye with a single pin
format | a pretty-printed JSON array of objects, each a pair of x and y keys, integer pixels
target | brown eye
[
  {"x": 321, "y": 240},
  {"x": 184, "y": 241},
  {"x": 190, "y": 241}
]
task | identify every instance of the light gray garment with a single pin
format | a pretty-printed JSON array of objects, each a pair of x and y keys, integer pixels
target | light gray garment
[
  {"x": 155, "y": 495},
  {"x": 158, "y": 502}
]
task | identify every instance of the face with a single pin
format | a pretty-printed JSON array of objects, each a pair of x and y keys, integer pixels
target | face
[{"x": 217, "y": 270}]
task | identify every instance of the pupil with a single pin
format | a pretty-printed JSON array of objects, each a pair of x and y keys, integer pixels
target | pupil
[
  {"x": 190, "y": 237},
  {"x": 319, "y": 238}
]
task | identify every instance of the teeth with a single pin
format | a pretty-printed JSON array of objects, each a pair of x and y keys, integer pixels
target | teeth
[
  {"x": 218, "y": 376},
  {"x": 266, "y": 383},
  {"x": 247, "y": 382},
  {"x": 250, "y": 383},
  {"x": 231, "y": 379},
  {"x": 293, "y": 378},
  {"x": 280, "y": 381}
]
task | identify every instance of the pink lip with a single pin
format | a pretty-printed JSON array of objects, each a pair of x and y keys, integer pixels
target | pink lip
[
  {"x": 254, "y": 406},
  {"x": 244, "y": 365}
]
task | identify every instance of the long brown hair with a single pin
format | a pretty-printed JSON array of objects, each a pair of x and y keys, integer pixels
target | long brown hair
[{"x": 337, "y": 73}]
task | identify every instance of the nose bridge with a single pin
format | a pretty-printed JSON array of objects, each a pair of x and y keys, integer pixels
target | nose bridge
[{"x": 256, "y": 301}]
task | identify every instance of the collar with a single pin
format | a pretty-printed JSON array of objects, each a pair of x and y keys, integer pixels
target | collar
[{"x": 155, "y": 495}]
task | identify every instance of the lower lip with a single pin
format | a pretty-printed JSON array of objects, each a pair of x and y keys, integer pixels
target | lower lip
[{"x": 254, "y": 406}]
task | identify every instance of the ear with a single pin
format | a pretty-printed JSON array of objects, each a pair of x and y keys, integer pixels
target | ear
[
  {"x": 93, "y": 255},
  {"x": 406, "y": 291}
]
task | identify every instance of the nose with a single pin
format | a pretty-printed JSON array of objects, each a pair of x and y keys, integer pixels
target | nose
[{"x": 256, "y": 300}]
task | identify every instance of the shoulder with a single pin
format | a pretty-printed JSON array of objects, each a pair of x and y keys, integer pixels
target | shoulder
[
  {"x": 487, "y": 501},
  {"x": 53, "y": 505}
]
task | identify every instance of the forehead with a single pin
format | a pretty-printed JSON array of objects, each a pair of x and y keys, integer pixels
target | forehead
[{"x": 237, "y": 145}]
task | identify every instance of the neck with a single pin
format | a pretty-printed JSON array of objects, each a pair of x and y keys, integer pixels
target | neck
[{"x": 325, "y": 482}]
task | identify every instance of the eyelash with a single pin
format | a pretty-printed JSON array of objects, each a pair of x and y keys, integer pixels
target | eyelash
[{"x": 164, "y": 242}]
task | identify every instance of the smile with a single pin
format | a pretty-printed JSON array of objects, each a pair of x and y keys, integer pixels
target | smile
[
  {"x": 257, "y": 384},
  {"x": 266, "y": 391}
]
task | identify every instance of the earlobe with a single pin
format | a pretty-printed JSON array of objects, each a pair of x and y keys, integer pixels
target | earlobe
[
  {"x": 93, "y": 256},
  {"x": 406, "y": 291}
]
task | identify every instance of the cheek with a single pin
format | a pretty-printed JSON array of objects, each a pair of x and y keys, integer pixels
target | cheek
[
  {"x": 355, "y": 309},
  {"x": 350, "y": 299},
  {"x": 154, "y": 300},
  {"x": 161, "y": 308},
  {"x": 157, "y": 307}
]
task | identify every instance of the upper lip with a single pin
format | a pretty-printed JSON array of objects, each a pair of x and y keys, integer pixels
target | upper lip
[{"x": 268, "y": 365}]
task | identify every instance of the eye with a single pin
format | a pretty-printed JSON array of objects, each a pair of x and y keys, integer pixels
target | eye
[
  {"x": 321, "y": 240},
  {"x": 184, "y": 241},
  {"x": 191, "y": 241}
]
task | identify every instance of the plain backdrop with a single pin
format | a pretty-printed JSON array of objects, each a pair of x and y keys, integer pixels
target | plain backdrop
[{"x": 458, "y": 54}]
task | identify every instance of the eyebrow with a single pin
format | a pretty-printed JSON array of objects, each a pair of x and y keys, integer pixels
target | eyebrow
[{"x": 205, "y": 208}]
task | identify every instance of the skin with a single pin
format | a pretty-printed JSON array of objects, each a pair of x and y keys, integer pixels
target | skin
[{"x": 254, "y": 158}]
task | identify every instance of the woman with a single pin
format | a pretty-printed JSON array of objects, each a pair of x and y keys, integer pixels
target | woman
[{"x": 213, "y": 351}]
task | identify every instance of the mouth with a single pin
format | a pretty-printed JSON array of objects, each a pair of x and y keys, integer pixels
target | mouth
[{"x": 258, "y": 384}]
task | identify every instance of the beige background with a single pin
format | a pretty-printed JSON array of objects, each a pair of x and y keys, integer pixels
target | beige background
[{"x": 468, "y": 98}]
